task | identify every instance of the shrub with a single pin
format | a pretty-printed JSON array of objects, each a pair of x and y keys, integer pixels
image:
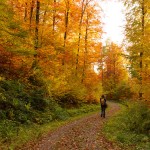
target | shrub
[
  {"x": 68, "y": 100},
  {"x": 120, "y": 92},
  {"x": 131, "y": 126},
  {"x": 136, "y": 117},
  {"x": 37, "y": 100},
  {"x": 8, "y": 129}
]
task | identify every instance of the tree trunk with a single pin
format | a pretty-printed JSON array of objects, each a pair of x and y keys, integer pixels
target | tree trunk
[
  {"x": 31, "y": 14},
  {"x": 85, "y": 49},
  {"x": 141, "y": 53},
  {"x": 54, "y": 17},
  {"x": 25, "y": 12},
  {"x": 79, "y": 34},
  {"x": 36, "y": 45},
  {"x": 66, "y": 28},
  {"x": 43, "y": 22}
]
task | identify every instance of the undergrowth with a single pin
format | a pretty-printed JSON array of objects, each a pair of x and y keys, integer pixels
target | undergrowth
[
  {"x": 30, "y": 133},
  {"x": 27, "y": 110},
  {"x": 131, "y": 127},
  {"x": 26, "y": 114}
]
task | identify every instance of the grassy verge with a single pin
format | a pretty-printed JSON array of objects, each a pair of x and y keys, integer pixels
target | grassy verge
[
  {"x": 32, "y": 132},
  {"x": 131, "y": 127}
]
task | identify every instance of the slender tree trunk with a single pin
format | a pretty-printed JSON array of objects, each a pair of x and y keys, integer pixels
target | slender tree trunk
[
  {"x": 114, "y": 64},
  {"x": 31, "y": 14},
  {"x": 54, "y": 17},
  {"x": 66, "y": 28},
  {"x": 36, "y": 38},
  {"x": 142, "y": 51},
  {"x": 114, "y": 72},
  {"x": 102, "y": 74},
  {"x": 25, "y": 12},
  {"x": 43, "y": 22},
  {"x": 85, "y": 49},
  {"x": 37, "y": 25},
  {"x": 79, "y": 34}
]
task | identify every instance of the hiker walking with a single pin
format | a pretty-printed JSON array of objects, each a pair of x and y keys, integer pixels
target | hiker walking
[{"x": 103, "y": 105}]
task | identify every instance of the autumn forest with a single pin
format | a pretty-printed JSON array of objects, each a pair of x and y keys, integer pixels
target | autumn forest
[{"x": 52, "y": 59}]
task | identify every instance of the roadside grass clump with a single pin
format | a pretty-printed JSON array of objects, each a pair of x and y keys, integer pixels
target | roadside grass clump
[
  {"x": 131, "y": 126},
  {"x": 85, "y": 108},
  {"x": 8, "y": 129}
]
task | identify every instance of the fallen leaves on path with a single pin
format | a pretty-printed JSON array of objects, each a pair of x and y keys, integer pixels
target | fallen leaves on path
[{"x": 82, "y": 134}]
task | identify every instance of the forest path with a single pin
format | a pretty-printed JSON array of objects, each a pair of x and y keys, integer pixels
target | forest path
[{"x": 83, "y": 134}]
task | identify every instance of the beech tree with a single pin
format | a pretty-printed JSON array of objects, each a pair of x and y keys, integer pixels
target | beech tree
[
  {"x": 113, "y": 72},
  {"x": 137, "y": 31},
  {"x": 61, "y": 36}
]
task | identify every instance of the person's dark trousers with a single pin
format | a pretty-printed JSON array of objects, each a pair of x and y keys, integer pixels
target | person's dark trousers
[{"x": 103, "y": 111}]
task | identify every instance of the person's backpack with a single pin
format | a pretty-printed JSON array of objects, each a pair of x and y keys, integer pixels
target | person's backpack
[{"x": 103, "y": 102}]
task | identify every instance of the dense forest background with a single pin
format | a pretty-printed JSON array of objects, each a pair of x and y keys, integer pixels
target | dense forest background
[{"x": 49, "y": 52}]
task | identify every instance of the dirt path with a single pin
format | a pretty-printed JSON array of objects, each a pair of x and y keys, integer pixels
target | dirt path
[{"x": 83, "y": 134}]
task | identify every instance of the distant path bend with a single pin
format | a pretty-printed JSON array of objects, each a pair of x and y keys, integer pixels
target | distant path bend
[{"x": 83, "y": 134}]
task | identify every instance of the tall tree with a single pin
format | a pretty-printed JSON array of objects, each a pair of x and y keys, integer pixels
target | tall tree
[
  {"x": 67, "y": 4},
  {"x": 136, "y": 34},
  {"x": 84, "y": 4},
  {"x": 112, "y": 68},
  {"x": 85, "y": 47}
]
